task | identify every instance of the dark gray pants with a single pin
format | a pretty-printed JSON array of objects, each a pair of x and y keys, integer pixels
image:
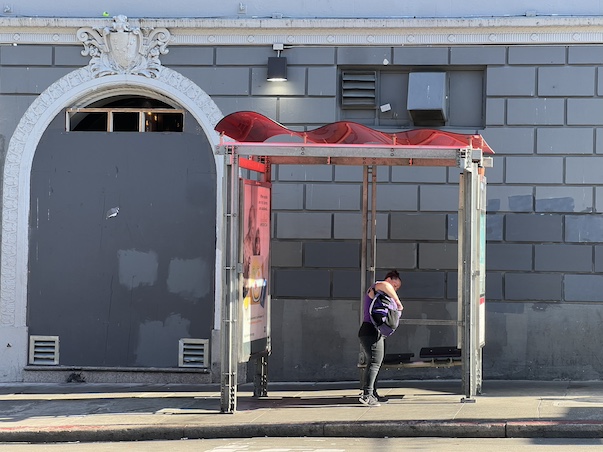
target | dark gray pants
[{"x": 373, "y": 346}]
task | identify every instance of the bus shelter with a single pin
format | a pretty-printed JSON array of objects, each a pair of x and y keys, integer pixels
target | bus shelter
[{"x": 254, "y": 142}]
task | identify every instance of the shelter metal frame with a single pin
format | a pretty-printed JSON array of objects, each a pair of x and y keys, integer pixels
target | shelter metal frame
[{"x": 471, "y": 241}]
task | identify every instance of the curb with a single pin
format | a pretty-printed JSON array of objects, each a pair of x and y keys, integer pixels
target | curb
[
  {"x": 363, "y": 429},
  {"x": 555, "y": 429}
]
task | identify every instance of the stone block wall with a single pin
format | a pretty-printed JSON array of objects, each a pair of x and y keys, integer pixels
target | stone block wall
[{"x": 539, "y": 107}]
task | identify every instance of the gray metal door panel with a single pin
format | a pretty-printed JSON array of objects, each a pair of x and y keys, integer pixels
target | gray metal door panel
[{"x": 121, "y": 290}]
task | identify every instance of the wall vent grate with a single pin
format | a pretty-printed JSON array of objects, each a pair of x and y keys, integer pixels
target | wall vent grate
[
  {"x": 193, "y": 353},
  {"x": 44, "y": 350},
  {"x": 359, "y": 89}
]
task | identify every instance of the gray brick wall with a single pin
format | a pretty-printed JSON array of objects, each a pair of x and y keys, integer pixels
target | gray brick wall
[
  {"x": 564, "y": 199},
  {"x": 585, "y": 55},
  {"x": 534, "y": 228},
  {"x": 333, "y": 197},
  {"x": 584, "y": 170},
  {"x": 305, "y": 225},
  {"x": 220, "y": 81},
  {"x": 566, "y": 140},
  {"x": 70, "y": 56},
  {"x": 301, "y": 283},
  {"x": 537, "y": 111},
  {"x": 29, "y": 80},
  {"x": 417, "y": 226},
  {"x": 481, "y": 55},
  {"x": 584, "y": 112},
  {"x": 563, "y": 258},
  {"x": 509, "y": 256},
  {"x": 286, "y": 254},
  {"x": 349, "y": 226},
  {"x": 511, "y": 81},
  {"x": 584, "y": 228},
  {"x": 566, "y": 81},
  {"x": 332, "y": 254},
  {"x": 540, "y": 55},
  {"x": 363, "y": 55},
  {"x": 583, "y": 287},
  {"x": 510, "y": 198},
  {"x": 542, "y": 116},
  {"x": 516, "y": 140},
  {"x": 26, "y": 55},
  {"x": 189, "y": 56},
  {"x": 533, "y": 286},
  {"x": 397, "y": 255},
  {"x": 538, "y": 170}
]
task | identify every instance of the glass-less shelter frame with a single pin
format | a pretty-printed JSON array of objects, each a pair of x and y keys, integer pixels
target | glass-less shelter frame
[{"x": 470, "y": 159}]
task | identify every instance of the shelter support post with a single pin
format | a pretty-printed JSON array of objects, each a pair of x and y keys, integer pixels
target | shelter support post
[
  {"x": 364, "y": 244},
  {"x": 260, "y": 377},
  {"x": 373, "y": 228},
  {"x": 368, "y": 264},
  {"x": 368, "y": 259},
  {"x": 229, "y": 343},
  {"x": 471, "y": 296}
]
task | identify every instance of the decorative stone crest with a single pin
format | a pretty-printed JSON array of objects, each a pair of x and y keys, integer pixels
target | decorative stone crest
[{"x": 122, "y": 49}]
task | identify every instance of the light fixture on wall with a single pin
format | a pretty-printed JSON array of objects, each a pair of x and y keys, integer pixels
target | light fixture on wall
[{"x": 277, "y": 66}]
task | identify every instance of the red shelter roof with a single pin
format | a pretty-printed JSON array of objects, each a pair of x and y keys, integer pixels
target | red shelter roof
[{"x": 252, "y": 127}]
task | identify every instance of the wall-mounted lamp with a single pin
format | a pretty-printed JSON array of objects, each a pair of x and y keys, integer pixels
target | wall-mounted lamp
[{"x": 277, "y": 66}]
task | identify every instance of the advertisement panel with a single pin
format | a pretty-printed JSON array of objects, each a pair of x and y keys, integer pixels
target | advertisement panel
[{"x": 255, "y": 278}]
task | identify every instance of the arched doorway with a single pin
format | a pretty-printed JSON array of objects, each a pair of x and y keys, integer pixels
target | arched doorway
[
  {"x": 122, "y": 235},
  {"x": 78, "y": 88}
]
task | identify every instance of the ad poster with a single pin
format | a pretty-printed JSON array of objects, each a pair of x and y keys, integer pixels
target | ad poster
[{"x": 256, "y": 251}]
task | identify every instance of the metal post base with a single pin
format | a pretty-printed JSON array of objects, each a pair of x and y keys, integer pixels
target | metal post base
[{"x": 260, "y": 378}]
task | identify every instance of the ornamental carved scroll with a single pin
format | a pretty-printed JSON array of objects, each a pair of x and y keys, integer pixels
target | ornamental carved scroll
[{"x": 123, "y": 49}]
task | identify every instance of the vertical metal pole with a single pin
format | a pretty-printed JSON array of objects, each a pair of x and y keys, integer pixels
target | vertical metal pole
[
  {"x": 468, "y": 280},
  {"x": 461, "y": 296},
  {"x": 363, "y": 257},
  {"x": 364, "y": 250},
  {"x": 374, "y": 224},
  {"x": 229, "y": 344}
]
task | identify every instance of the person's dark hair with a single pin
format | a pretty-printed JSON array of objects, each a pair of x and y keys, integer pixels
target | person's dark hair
[{"x": 393, "y": 274}]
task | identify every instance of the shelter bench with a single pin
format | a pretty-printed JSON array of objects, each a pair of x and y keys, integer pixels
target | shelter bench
[{"x": 428, "y": 357}]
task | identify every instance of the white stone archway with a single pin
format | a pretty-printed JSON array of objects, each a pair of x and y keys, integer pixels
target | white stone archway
[{"x": 76, "y": 88}]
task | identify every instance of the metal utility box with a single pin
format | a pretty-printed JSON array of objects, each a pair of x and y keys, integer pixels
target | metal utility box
[{"x": 427, "y": 98}]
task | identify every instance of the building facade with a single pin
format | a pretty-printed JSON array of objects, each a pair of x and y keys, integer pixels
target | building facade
[{"x": 112, "y": 194}]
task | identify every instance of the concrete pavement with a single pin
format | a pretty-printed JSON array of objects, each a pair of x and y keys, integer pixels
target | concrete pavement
[{"x": 121, "y": 412}]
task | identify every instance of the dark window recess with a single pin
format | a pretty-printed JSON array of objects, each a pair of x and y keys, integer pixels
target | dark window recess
[
  {"x": 163, "y": 122},
  {"x": 358, "y": 89},
  {"x": 126, "y": 121},
  {"x": 91, "y": 122},
  {"x": 126, "y": 114}
]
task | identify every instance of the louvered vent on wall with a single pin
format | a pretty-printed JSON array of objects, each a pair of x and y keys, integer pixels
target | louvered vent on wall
[
  {"x": 358, "y": 89},
  {"x": 44, "y": 350},
  {"x": 193, "y": 353}
]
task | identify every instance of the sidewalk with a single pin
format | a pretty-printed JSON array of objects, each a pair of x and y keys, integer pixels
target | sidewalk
[{"x": 111, "y": 412}]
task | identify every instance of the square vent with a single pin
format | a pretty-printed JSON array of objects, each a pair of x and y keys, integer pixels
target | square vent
[
  {"x": 44, "y": 350},
  {"x": 427, "y": 98},
  {"x": 359, "y": 89},
  {"x": 193, "y": 353}
]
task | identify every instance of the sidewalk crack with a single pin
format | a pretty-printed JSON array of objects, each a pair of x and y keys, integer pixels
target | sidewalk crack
[{"x": 461, "y": 406}]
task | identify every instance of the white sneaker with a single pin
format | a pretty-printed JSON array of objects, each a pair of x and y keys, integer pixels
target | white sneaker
[{"x": 369, "y": 400}]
